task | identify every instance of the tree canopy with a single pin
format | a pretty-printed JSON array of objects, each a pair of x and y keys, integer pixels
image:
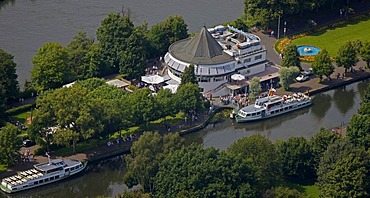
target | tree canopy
[
  {"x": 347, "y": 56},
  {"x": 254, "y": 88},
  {"x": 10, "y": 145},
  {"x": 189, "y": 75},
  {"x": 291, "y": 57},
  {"x": 8, "y": 79},
  {"x": 188, "y": 97},
  {"x": 199, "y": 172},
  {"x": 365, "y": 53},
  {"x": 51, "y": 68},
  {"x": 287, "y": 76},
  {"x": 322, "y": 65}
]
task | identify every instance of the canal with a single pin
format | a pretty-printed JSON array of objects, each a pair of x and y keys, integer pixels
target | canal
[{"x": 329, "y": 110}]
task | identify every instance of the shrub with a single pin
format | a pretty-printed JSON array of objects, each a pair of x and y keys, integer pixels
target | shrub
[{"x": 20, "y": 109}]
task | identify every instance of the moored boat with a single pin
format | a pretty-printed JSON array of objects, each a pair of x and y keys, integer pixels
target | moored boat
[
  {"x": 271, "y": 106},
  {"x": 41, "y": 174}
]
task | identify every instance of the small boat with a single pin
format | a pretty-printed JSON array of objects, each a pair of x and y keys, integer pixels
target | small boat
[
  {"x": 271, "y": 106},
  {"x": 41, "y": 174}
]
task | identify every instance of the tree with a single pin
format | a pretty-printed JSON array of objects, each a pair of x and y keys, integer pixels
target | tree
[
  {"x": 291, "y": 57},
  {"x": 188, "y": 97},
  {"x": 67, "y": 115},
  {"x": 347, "y": 56},
  {"x": 344, "y": 171},
  {"x": 50, "y": 67},
  {"x": 282, "y": 192},
  {"x": 189, "y": 75},
  {"x": 287, "y": 76},
  {"x": 112, "y": 35},
  {"x": 146, "y": 154},
  {"x": 10, "y": 144},
  {"x": 358, "y": 130},
  {"x": 320, "y": 142},
  {"x": 132, "y": 61},
  {"x": 80, "y": 51},
  {"x": 365, "y": 53},
  {"x": 322, "y": 65},
  {"x": 262, "y": 155},
  {"x": 296, "y": 155},
  {"x": 254, "y": 88},
  {"x": 8, "y": 79},
  {"x": 165, "y": 100},
  {"x": 161, "y": 35},
  {"x": 199, "y": 172}
]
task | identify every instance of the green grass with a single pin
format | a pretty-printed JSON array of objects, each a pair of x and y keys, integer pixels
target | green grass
[
  {"x": 3, "y": 168},
  {"x": 305, "y": 187},
  {"x": 332, "y": 39},
  {"x": 80, "y": 147},
  {"x": 22, "y": 117}
]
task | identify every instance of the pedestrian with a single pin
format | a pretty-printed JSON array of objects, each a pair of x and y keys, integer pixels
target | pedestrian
[{"x": 186, "y": 118}]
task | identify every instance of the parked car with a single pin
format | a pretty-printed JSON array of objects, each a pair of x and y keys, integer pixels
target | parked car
[
  {"x": 301, "y": 78},
  {"x": 308, "y": 71},
  {"x": 28, "y": 143}
]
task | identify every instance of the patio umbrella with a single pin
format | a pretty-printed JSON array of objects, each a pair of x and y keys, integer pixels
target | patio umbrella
[
  {"x": 237, "y": 77},
  {"x": 173, "y": 88},
  {"x": 153, "y": 79}
]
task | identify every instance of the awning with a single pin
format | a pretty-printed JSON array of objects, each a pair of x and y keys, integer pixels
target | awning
[
  {"x": 173, "y": 88},
  {"x": 237, "y": 77},
  {"x": 153, "y": 79}
]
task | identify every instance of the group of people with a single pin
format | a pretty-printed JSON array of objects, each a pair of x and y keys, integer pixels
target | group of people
[
  {"x": 26, "y": 156},
  {"x": 118, "y": 140},
  {"x": 239, "y": 99}
]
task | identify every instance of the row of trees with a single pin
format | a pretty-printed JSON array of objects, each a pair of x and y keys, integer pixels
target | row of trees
[
  {"x": 92, "y": 108},
  {"x": 121, "y": 48},
  {"x": 347, "y": 57},
  {"x": 9, "y": 88},
  {"x": 261, "y": 12},
  {"x": 254, "y": 166}
]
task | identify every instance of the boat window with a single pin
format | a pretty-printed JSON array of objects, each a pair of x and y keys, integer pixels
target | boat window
[
  {"x": 258, "y": 113},
  {"x": 36, "y": 182},
  {"x": 47, "y": 179},
  {"x": 51, "y": 178},
  {"x": 41, "y": 181},
  {"x": 285, "y": 108},
  {"x": 272, "y": 112},
  {"x": 72, "y": 168},
  {"x": 56, "y": 177},
  {"x": 253, "y": 114},
  {"x": 67, "y": 169}
]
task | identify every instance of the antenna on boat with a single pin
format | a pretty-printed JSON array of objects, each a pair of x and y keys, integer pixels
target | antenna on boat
[{"x": 49, "y": 161}]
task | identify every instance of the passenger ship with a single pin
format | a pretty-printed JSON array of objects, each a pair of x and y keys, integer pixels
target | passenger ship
[
  {"x": 42, "y": 174},
  {"x": 271, "y": 106}
]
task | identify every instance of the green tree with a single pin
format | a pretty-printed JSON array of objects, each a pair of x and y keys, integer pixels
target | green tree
[
  {"x": 189, "y": 75},
  {"x": 365, "y": 103},
  {"x": 133, "y": 58},
  {"x": 358, "y": 130},
  {"x": 112, "y": 35},
  {"x": 262, "y": 154},
  {"x": 81, "y": 56},
  {"x": 322, "y": 65},
  {"x": 296, "y": 155},
  {"x": 344, "y": 171},
  {"x": 320, "y": 142},
  {"x": 166, "y": 104},
  {"x": 291, "y": 57},
  {"x": 282, "y": 192},
  {"x": 69, "y": 113},
  {"x": 10, "y": 144},
  {"x": 146, "y": 154},
  {"x": 365, "y": 53},
  {"x": 161, "y": 35},
  {"x": 50, "y": 67},
  {"x": 347, "y": 56},
  {"x": 254, "y": 88},
  {"x": 287, "y": 76},
  {"x": 188, "y": 97},
  {"x": 8, "y": 79},
  {"x": 199, "y": 172}
]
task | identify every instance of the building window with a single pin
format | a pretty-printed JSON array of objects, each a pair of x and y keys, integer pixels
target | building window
[
  {"x": 258, "y": 57},
  {"x": 247, "y": 60},
  {"x": 204, "y": 79},
  {"x": 216, "y": 79}
]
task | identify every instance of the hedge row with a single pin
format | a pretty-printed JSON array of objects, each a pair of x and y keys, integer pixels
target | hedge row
[{"x": 20, "y": 109}]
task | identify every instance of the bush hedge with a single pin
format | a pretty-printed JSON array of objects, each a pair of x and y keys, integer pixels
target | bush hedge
[{"x": 20, "y": 109}]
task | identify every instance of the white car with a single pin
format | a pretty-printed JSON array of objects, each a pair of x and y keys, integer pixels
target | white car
[
  {"x": 301, "y": 78},
  {"x": 308, "y": 71}
]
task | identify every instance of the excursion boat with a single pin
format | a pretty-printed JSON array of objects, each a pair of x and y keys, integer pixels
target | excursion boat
[
  {"x": 271, "y": 106},
  {"x": 41, "y": 174}
]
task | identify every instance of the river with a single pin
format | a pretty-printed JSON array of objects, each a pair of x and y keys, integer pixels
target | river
[
  {"x": 329, "y": 109},
  {"x": 25, "y": 25}
]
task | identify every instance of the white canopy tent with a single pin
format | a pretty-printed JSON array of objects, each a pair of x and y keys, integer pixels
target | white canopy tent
[
  {"x": 237, "y": 77},
  {"x": 172, "y": 87},
  {"x": 152, "y": 79}
]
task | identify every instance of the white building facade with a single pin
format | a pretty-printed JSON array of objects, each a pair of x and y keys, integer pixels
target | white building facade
[{"x": 216, "y": 53}]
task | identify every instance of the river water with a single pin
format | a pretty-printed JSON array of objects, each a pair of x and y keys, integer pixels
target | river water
[
  {"x": 25, "y": 25},
  {"x": 329, "y": 110}
]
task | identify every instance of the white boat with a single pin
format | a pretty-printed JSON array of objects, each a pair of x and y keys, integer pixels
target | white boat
[
  {"x": 271, "y": 106},
  {"x": 41, "y": 174}
]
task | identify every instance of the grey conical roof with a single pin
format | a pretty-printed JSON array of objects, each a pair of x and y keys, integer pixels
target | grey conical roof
[
  {"x": 203, "y": 45},
  {"x": 201, "y": 49}
]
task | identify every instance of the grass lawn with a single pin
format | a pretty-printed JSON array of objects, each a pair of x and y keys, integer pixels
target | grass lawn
[
  {"x": 332, "y": 39},
  {"x": 3, "y": 168},
  {"x": 22, "y": 117},
  {"x": 305, "y": 187}
]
